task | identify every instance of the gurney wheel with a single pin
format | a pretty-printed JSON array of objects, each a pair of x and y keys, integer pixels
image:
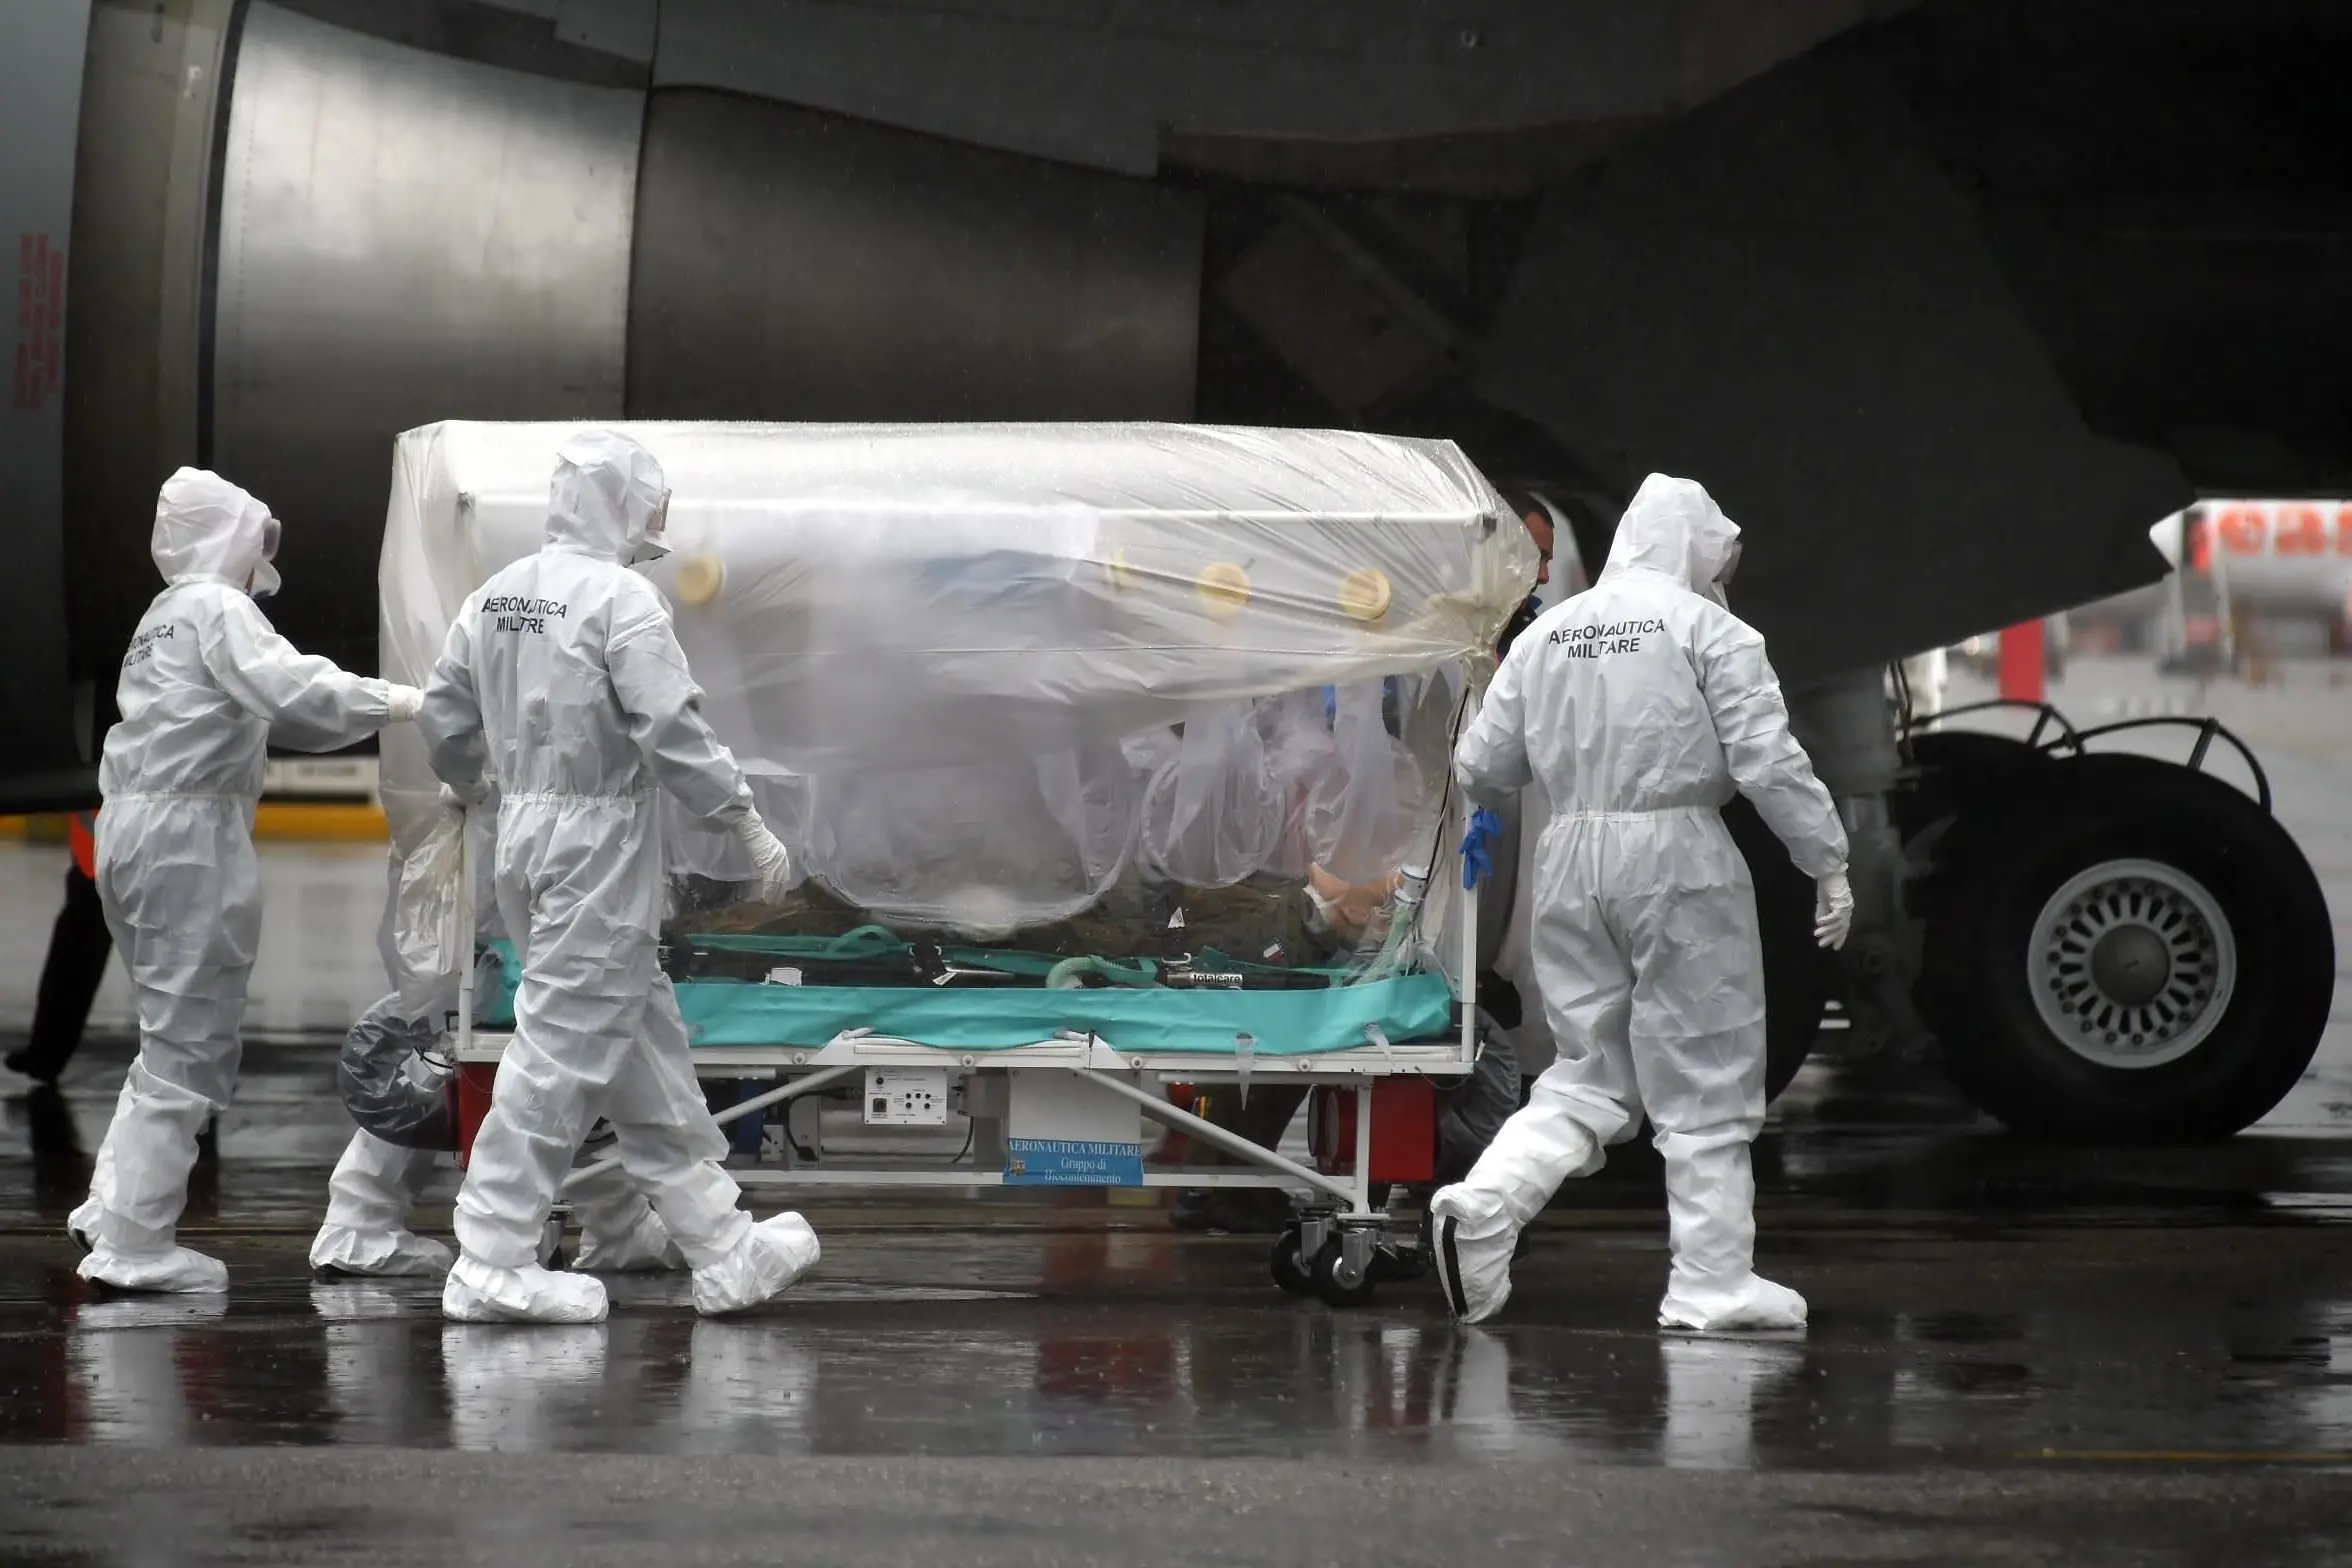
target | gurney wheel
[
  {"x": 1336, "y": 1283},
  {"x": 1290, "y": 1269}
]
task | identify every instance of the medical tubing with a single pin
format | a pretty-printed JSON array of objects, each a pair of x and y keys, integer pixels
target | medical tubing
[{"x": 1065, "y": 976}]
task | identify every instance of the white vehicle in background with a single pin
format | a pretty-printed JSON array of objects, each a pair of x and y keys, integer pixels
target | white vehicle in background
[
  {"x": 2258, "y": 562},
  {"x": 2242, "y": 569}
]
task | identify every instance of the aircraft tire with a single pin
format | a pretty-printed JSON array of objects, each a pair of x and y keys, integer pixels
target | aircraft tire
[{"x": 2123, "y": 950}]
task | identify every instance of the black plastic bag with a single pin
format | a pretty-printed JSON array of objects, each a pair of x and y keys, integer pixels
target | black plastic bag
[{"x": 396, "y": 1083}]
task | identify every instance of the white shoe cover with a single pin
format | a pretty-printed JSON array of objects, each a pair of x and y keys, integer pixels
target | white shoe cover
[
  {"x": 777, "y": 1252},
  {"x": 644, "y": 1248},
  {"x": 178, "y": 1271},
  {"x": 1753, "y": 1306},
  {"x": 478, "y": 1293},
  {"x": 339, "y": 1249},
  {"x": 82, "y": 1224},
  {"x": 1473, "y": 1271}
]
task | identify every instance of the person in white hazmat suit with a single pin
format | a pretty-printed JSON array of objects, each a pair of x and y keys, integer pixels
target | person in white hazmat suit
[
  {"x": 1641, "y": 705},
  {"x": 206, "y": 686},
  {"x": 376, "y": 1184},
  {"x": 562, "y": 684},
  {"x": 377, "y": 1181}
]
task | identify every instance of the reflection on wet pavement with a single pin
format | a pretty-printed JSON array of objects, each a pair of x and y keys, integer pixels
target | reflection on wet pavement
[
  {"x": 1927, "y": 1349},
  {"x": 1976, "y": 1298}
]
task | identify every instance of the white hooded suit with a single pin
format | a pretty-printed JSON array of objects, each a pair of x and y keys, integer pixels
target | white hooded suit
[
  {"x": 1641, "y": 705},
  {"x": 562, "y": 684},
  {"x": 206, "y": 685}
]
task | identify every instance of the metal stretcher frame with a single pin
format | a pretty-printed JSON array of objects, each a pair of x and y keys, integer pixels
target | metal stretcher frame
[{"x": 805, "y": 1069}]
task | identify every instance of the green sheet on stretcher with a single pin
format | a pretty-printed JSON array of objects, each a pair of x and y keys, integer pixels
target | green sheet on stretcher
[{"x": 995, "y": 1018}]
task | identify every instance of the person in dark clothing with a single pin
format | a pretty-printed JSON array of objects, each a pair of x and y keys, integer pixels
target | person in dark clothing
[{"x": 78, "y": 948}]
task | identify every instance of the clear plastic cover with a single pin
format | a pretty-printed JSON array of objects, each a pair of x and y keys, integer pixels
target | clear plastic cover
[{"x": 1073, "y": 687}]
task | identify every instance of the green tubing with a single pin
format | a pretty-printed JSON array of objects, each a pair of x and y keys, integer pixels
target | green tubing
[
  {"x": 862, "y": 941},
  {"x": 1068, "y": 974}
]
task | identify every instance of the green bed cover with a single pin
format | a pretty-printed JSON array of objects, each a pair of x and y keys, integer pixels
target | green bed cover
[{"x": 1310, "y": 1022}]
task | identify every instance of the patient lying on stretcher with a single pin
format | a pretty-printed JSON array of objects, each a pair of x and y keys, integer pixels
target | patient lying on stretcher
[
  {"x": 1268, "y": 831},
  {"x": 1265, "y": 921}
]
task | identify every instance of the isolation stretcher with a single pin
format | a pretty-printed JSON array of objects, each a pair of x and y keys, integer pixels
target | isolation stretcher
[{"x": 1125, "y": 748}]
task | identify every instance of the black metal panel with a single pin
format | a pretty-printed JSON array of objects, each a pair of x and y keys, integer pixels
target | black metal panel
[
  {"x": 2166, "y": 187},
  {"x": 792, "y": 265},
  {"x": 1782, "y": 297}
]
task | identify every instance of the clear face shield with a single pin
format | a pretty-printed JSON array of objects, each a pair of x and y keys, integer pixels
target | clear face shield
[
  {"x": 264, "y": 579},
  {"x": 1718, "y": 590},
  {"x": 655, "y": 543}
]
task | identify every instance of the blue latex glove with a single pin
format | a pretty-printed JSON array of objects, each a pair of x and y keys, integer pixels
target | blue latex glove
[{"x": 1478, "y": 847}]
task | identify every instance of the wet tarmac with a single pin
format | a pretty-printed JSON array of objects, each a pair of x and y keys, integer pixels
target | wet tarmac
[
  {"x": 2019, "y": 1353},
  {"x": 1023, "y": 1331}
]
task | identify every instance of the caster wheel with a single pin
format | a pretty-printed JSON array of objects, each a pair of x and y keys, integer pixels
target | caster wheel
[
  {"x": 1290, "y": 1269},
  {"x": 1338, "y": 1285}
]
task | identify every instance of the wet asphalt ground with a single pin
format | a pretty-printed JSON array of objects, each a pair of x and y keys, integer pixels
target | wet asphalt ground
[
  {"x": 2017, "y": 1355},
  {"x": 2020, "y": 1353}
]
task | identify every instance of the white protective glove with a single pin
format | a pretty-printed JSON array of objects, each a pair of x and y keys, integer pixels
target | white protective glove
[
  {"x": 407, "y": 702},
  {"x": 472, "y": 797},
  {"x": 1833, "y": 910},
  {"x": 771, "y": 862}
]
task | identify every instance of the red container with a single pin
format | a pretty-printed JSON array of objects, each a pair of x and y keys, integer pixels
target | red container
[
  {"x": 473, "y": 1103},
  {"x": 1404, "y": 1129}
]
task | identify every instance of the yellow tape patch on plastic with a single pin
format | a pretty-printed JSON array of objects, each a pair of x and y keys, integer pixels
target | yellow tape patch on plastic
[
  {"x": 1226, "y": 587},
  {"x": 1364, "y": 595},
  {"x": 699, "y": 580}
]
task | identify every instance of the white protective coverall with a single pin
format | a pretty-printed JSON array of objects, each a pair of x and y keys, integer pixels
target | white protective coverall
[
  {"x": 206, "y": 686},
  {"x": 1641, "y": 705},
  {"x": 376, "y": 1184},
  {"x": 562, "y": 682}
]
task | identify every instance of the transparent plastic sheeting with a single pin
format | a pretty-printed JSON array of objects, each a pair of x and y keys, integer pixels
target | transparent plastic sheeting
[{"x": 980, "y": 674}]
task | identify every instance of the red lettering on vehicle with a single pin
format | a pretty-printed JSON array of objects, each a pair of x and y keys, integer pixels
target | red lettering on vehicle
[
  {"x": 2243, "y": 529},
  {"x": 2301, "y": 531}
]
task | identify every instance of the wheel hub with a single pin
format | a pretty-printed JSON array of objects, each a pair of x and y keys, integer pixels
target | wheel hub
[{"x": 2132, "y": 963}]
